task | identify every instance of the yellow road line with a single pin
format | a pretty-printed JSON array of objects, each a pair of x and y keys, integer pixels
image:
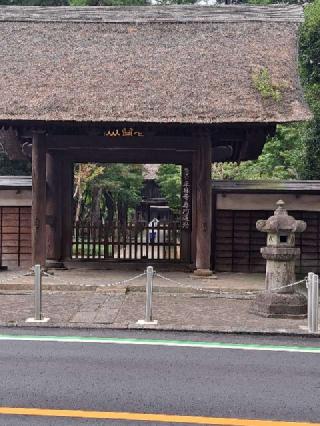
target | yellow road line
[{"x": 165, "y": 418}]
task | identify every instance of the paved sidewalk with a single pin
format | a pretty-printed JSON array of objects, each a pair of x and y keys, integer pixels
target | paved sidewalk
[
  {"x": 83, "y": 299},
  {"x": 173, "y": 311}
]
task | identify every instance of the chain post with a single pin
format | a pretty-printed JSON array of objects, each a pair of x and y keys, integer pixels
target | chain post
[
  {"x": 309, "y": 288},
  {"x": 313, "y": 302},
  {"x": 37, "y": 292},
  {"x": 149, "y": 289},
  {"x": 37, "y": 296}
]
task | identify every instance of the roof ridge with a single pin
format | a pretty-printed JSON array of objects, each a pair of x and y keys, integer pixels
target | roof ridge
[{"x": 152, "y": 14}]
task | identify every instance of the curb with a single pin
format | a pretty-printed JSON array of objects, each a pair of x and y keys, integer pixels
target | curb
[{"x": 170, "y": 328}]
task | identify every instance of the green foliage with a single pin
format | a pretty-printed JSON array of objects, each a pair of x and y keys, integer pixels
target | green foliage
[
  {"x": 262, "y": 82},
  {"x": 312, "y": 147},
  {"x": 310, "y": 73},
  {"x": 14, "y": 168},
  {"x": 169, "y": 180},
  {"x": 310, "y": 54},
  {"x": 282, "y": 158},
  {"x": 123, "y": 181},
  {"x": 295, "y": 150},
  {"x": 119, "y": 184}
]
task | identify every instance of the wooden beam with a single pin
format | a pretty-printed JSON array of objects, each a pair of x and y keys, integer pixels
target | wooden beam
[
  {"x": 204, "y": 205},
  {"x": 90, "y": 141},
  {"x": 131, "y": 156},
  {"x": 256, "y": 138},
  {"x": 38, "y": 198}
]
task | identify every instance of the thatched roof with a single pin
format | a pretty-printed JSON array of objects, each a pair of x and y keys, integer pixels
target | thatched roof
[{"x": 181, "y": 64}]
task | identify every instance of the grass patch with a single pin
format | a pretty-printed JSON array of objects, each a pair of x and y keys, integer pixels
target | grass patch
[{"x": 262, "y": 82}]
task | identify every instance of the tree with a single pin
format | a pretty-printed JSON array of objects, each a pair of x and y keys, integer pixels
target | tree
[
  {"x": 169, "y": 180},
  {"x": 14, "y": 167},
  {"x": 282, "y": 157},
  {"x": 310, "y": 73},
  {"x": 102, "y": 191},
  {"x": 295, "y": 150}
]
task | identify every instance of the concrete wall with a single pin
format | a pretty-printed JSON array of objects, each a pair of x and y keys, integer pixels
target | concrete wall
[{"x": 15, "y": 197}]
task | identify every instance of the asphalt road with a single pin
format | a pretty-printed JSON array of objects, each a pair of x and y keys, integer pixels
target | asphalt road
[{"x": 213, "y": 382}]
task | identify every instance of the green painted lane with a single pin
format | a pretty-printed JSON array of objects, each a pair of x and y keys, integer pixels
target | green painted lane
[{"x": 161, "y": 342}]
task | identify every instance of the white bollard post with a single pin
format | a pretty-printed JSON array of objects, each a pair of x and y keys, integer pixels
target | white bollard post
[
  {"x": 149, "y": 289},
  {"x": 309, "y": 288},
  {"x": 313, "y": 302},
  {"x": 37, "y": 296},
  {"x": 37, "y": 292}
]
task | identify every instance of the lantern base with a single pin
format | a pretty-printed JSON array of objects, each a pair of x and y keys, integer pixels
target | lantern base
[{"x": 280, "y": 305}]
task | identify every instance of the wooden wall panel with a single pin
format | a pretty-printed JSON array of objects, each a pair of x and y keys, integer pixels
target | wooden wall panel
[
  {"x": 15, "y": 236},
  {"x": 238, "y": 243}
]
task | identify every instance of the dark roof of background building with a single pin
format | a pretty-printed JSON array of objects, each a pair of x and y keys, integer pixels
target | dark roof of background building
[
  {"x": 12, "y": 182},
  {"x": 179, "y": 64}
]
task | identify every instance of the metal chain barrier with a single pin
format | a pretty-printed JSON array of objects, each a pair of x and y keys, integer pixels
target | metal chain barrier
[
  {"x": 304, "y": 280},
  {"x": 200, "y": 289},
  {"x": 128, "y": 280},
  {"x": 214, "y": 291},
  {"x": 116, "y": 283}
]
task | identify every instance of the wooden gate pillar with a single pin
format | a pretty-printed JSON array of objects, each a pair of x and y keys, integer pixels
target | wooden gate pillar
[
  {"x": 204, "y": 204},
  {"x": 186, "y": 212},
  {"x": 67, "y": 209},
  {"x": 194, "y": 208},
  {"x": 38, "y": 198},
  {"x": 53, "y": 211}
]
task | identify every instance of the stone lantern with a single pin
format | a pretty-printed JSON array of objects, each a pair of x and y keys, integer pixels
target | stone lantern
[{"x": 280, "y": 254}]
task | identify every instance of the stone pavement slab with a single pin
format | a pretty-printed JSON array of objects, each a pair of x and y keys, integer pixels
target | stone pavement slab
[{"x": 98, "y": 309}]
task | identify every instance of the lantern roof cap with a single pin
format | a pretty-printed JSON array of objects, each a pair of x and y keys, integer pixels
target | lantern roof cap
[{"x": 281, "y": 221}]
